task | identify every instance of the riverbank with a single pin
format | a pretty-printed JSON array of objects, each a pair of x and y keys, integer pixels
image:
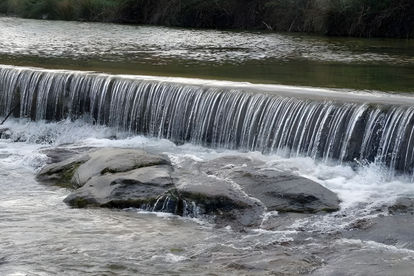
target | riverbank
[{"x": 328, "y": 17}]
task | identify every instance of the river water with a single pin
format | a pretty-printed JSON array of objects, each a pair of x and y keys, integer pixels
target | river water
[
  {"x": 40, "y": 235},
  {"x": 294, "y": 59}
]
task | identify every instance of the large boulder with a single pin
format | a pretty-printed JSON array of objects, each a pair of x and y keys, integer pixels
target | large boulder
[
  {"x": 278, "y": 190},
  {"x": 139, "y": 188},
  {"x": 61, "y": 173},
  {"x": 230, "y": 190},
  {"x": 75, "y": 171},
  {"x": 225, "y": 200},
  {"x": 115, "y": 160},
  {"x": 285, "y": 192}
]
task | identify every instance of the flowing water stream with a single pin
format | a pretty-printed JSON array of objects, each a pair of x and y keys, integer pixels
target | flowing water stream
[
  {"x": 359, "y": 144},
  {"x": 40, "y": 235}
]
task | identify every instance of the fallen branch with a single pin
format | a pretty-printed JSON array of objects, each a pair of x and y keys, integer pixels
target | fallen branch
[
  {"x": 8, "y": 115},
  {"x": 268, "y": 26}
]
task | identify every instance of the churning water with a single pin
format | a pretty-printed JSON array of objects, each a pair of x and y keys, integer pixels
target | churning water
[
  {"x": 376, "y": 128},
  {"x": 40, "y": 235}
]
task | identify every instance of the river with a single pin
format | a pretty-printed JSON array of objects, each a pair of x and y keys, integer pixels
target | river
[
  {"x": 40, "y": 235},
  {"x": 260, "y": 57}
]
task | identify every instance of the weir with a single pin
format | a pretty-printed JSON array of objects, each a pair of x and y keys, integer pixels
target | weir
[{"x": 322, "y": 124}]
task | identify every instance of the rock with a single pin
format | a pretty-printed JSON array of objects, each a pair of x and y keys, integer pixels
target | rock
[
  {"x": 403, "y": 205},
  {"x": 360, "y": 224},
  {"x": 396, "y": 230},
  {"x": 220, "y": 198},
  {"x": 139, "y": 188},
  {"x": 285, "y": 192},
  {"x": 115, "y": 160},
  {"x": 275, "y": 221},
  {"x": 230, "y": 190},
  {"x": 5, "y": 133},
  {"x": 61, "y": 173},
  {"x": 74, "y": 172},
  {"x": 277, "y": 190},
  {"x": 59, "y": 154}
]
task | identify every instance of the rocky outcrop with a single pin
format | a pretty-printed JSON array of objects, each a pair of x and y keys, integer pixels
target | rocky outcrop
[
  {"x": 278, "y": 190},
  {"x": 61, "y": 173},
  {"x": 113, "y": 160},
  {"x": 76, "y": 171},
  {"x": 231, "y": 190},
  {"x": 136, "y": 188},
  {"x": 220, "y": 198}
]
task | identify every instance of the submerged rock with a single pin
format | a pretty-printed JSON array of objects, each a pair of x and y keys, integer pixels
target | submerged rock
[
  {"x": 395, "y": 230},
  {"x": 402, "y": 205},
  {"x": 5, "y": 133},
  {"x": 394, "y": 227}
]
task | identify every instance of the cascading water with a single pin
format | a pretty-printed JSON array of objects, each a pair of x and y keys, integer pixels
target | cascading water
[{"x": 235, "y": 117}]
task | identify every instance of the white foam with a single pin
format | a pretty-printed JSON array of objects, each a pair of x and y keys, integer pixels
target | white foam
[
  {"x": 370, "y": 185},
  {"x": 376, "y": 246}
]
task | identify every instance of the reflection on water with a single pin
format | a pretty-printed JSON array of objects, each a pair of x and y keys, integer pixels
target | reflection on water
[
  {"x": 123, "y": 42},
  {"x": 380, "y": 64}
]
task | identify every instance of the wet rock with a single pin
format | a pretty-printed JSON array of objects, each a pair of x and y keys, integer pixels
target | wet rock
[
  {"x": 115, "y": 160},
  {"x": 396, "y": 230},
  {"x": 360, "y": 224},
  {"x": 220, "y": 198},
  {"x": 61, "y": 173},
  {"x": 231, "y": 190},
  {"x": 5, "y": 133},
  {"x": 402, "y": 205},
  {"x": 285, "y": 192},
  {"x": 75, "y": 171},
  {"x": 59, "y": 154},
  {"x": 275, "y": 221},
  {"x": 139, "y": 188},
  {"x": 277, "y": 190}
]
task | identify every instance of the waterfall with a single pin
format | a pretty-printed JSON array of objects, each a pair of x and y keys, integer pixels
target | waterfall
[{"x": 349, "y": 127}]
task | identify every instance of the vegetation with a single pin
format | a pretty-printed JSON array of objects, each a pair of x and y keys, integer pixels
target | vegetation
[{"x": 368, "y": 18}]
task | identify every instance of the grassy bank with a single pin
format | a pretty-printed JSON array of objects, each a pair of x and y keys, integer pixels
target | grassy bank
[{"x": 361, "y": 18}]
